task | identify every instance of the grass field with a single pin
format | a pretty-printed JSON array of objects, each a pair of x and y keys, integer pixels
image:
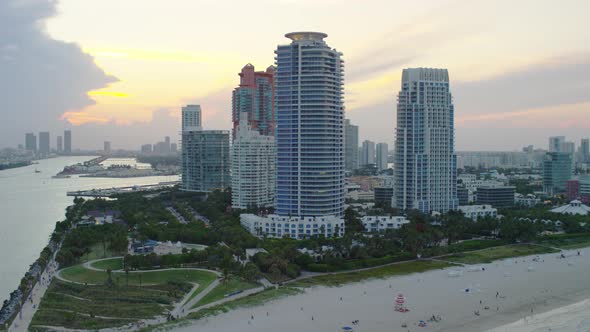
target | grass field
[
  {"x": 496, "y": 253},
  {"x": 248, "y": 301},
  {"x": 567, "y": 241},
  {"x": 113, "y": 264},
  {"x": 381, "y": 272},
  {"x": 93, "y": 307},
  {"x": 219, "y": 292}
]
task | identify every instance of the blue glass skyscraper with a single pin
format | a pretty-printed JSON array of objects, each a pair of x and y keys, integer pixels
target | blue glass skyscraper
[{"x": 310, "y": 127}]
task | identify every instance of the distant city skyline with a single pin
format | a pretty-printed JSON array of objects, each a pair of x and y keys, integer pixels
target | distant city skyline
[{"x": 94, "y": 81}]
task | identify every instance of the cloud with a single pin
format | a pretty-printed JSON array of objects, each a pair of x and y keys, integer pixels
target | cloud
[
  {"x": 42, "y": 78},
  {"x": 554, "y": 82}
]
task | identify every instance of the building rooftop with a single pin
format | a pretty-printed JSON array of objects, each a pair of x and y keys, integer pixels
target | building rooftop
[
  {"x": 575, "y": 207},
  {"x": 306, "y": 35}
]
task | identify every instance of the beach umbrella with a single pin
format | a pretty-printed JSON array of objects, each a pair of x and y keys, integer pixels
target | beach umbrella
[{"x": 400, "y": 299}]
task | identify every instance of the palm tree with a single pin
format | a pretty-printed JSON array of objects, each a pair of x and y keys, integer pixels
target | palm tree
[
  {"x": 127, "y": 276},
  {"x": 226, "y": 277}
]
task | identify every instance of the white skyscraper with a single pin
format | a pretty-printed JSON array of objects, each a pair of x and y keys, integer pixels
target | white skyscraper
[
  {"x": 425, "y": 159},
  {"x": 253, "y": 167},
  {"x": 191, "y": 117},
  {"x": 368, "y": 153},
  {"x": 382, "y": 150}
]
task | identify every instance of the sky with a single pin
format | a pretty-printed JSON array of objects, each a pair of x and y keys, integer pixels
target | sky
[{"x": 121, "y": 70}]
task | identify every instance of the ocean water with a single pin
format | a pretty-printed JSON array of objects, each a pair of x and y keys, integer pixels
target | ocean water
[{"x": 31, "y": 203}]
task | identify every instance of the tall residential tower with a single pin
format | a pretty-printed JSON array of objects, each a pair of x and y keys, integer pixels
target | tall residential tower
[
  {"x": 255, "y": 97},
  {"x": 425, "y": 159},
  {"x": 310, "y": 127}
]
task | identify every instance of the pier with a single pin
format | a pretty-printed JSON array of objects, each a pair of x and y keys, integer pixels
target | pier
[{"x": 110, "y": 192}]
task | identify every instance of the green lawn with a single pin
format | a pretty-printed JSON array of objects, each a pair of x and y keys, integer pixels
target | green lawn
[
  {"x": 222, "y": 289},
  {"x": 79, "y": 274},
  {"x": 567, "y": 241},
  {"x": 248, "y": 301},
  {"x": 381, "y": 272},
  {"x": 93, "y": 307},
  {"x": 113, "y": 264},
  {"x": 496, "y": 253}
]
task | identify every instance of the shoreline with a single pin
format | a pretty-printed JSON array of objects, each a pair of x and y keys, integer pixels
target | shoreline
[
  {"x": 553, "y": 319},
  {"x": 550, "y": 285}
]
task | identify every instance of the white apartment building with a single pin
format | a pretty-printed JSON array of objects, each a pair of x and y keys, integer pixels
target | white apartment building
[
  {"x": 475, "y": 212},
  {"x": 425, "y": 160},
  {"x": 383, "y": 223},
  {"x": 191, "y": 117},
  {"x": 253, "y": 167},
  {"x": 275, "y": 226}
]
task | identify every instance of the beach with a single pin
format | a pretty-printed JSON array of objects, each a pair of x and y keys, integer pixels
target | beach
[
  {"x": 509, "y": 290},
  {"x": 575, "y": 317}
]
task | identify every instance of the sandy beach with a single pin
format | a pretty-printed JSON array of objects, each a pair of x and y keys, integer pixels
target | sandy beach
[
  {"x": 575, "y": 317},
  {"x": 506, "y": 292}
]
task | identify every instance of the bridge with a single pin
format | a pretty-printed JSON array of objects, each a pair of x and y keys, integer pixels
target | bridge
[{"x": 111, "y": 192}]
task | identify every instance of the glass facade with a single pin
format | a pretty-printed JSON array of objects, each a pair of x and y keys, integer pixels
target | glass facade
[
  {"x": 205, "y": 160},
  {"x": 310, "y": 127},
  {"x": 557, "y": 170}
]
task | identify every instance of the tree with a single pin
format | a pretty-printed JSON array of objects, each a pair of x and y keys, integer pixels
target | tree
[
  {"x": 225, "y": 277},
  {"x": 250, "y": 272},
  {"x": 352, "y": 221}
]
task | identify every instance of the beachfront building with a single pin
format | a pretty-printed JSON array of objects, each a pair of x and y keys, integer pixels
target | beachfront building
[
  {"x": 309, "y": 84},
  {"x": 253, "y": 167},
  {"x": 351, "y": 146},
  {"x": 255, "y": 97},
  {"x": 557, "y": 170},
  {"x": 275, "y": 226},
  {"x": 374, "y": 224},
  {"x": 310, "y": 127},
  {"x": 475, "y": 212},
  {"x": 425, "y": 160}
]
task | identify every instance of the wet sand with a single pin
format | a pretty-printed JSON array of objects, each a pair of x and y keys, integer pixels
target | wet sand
[{"x": 523, "y": 285}]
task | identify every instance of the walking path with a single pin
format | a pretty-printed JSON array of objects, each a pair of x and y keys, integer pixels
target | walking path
[{"x": 26, "y": 313}]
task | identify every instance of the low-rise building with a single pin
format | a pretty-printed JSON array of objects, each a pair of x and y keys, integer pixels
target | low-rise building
[
  {"x": 383, "y": 223},
  {"x": 275, "y": 226},
  {"x": 496, "y": 196},
  {"x": 529, "y": 200},
  {"x": 360, "y": 195},
  {"x": 475, "y": 212},
  {"x": 575, "y": 207}
]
